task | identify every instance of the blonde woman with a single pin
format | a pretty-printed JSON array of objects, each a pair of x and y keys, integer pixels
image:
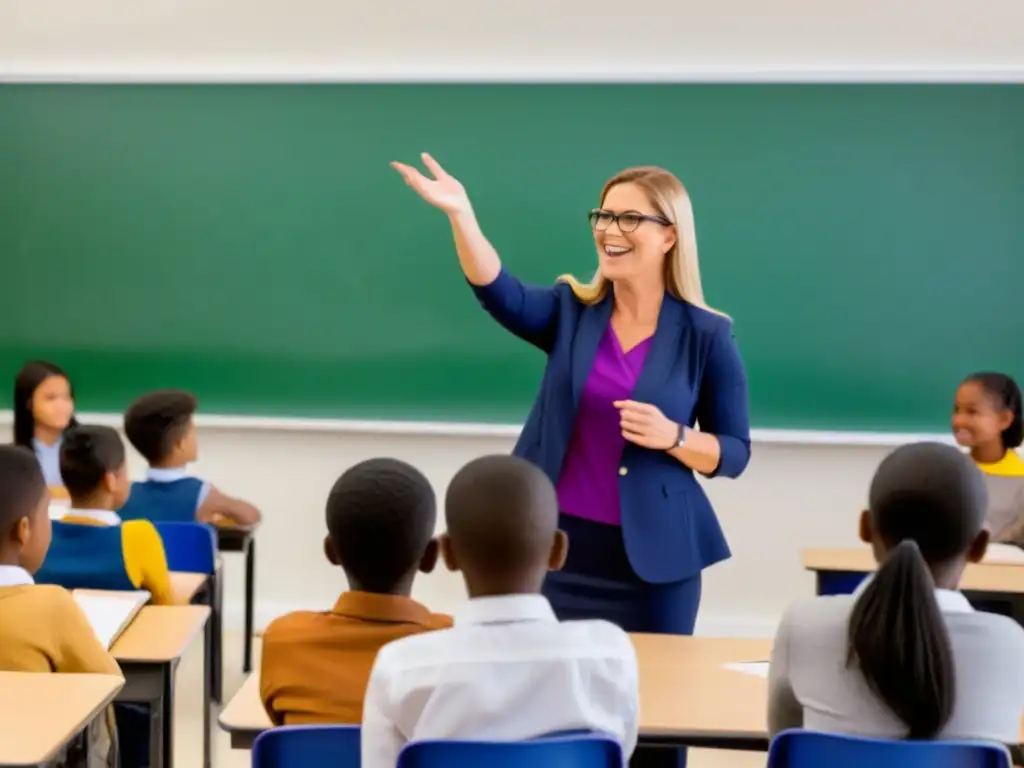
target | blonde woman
[{"x": 635, "y": 359}]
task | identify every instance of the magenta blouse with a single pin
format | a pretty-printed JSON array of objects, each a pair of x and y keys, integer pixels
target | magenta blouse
[{"x": 588, "y": 485}]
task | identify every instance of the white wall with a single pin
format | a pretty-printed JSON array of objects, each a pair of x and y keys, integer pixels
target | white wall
[
  {"x": 486, "y": 38},
  {"x": 793, "y": 495}
]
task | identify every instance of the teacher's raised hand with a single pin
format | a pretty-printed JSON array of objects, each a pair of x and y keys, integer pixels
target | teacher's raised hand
[
  {"x": 443, "y": 191},
  {"x": 477, "y": 257}
]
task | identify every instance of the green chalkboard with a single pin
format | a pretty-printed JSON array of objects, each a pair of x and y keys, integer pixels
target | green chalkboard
[{"x": 250, "y": 243}]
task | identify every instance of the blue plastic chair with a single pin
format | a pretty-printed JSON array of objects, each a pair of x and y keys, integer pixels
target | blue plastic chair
[
  {"x": 584, "y": 751},
  {"x": 190, "y": 547},
  {"x": 307, "y": 746},
  {"x": 810, "y": 749}
]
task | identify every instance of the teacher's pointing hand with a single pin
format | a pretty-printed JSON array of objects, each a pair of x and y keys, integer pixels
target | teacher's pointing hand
[
  {"x": 443, "y": 191},
  {"x": 646, "y": 426}
]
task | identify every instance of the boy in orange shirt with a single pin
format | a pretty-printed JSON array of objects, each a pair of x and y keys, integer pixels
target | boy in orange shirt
[{"x": 380, "y": 521}]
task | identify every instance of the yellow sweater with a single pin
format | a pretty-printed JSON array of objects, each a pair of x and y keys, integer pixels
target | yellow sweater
[{"x": 42, "y": 629}]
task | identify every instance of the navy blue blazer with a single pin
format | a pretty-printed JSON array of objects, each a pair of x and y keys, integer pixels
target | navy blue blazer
[{"x": 693, "y": 373}]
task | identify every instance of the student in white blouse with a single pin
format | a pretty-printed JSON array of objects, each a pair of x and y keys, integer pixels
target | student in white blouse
[
  {"x": 508, "y": 670},
  {"x": 906, "y": 656}
]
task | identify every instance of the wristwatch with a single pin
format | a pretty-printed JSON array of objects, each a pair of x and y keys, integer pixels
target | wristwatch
[{"x": 681, "y": 439}]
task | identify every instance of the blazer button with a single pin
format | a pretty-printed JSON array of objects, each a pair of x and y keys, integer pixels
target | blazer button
[{"x": 623, "y": 471}]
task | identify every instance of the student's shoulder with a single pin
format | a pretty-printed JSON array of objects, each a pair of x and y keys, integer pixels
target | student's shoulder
[
  {"x": 816, "y": 612},
  {"x": 53, "y": 600},
  {"x": 597, "y": 635},
  {"x": 291, "y": 628}
]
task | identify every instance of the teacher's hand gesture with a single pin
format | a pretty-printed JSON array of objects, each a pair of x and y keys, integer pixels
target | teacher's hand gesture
[
  {"x": 443, "y": 191},
  {"x": 645, "y": 425}
]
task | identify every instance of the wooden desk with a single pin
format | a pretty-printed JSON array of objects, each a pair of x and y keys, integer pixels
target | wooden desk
[
  {"x": 687, "y": 698},
  {"x": 149, "y": 651},
  {"x": 233, "y": 538},
  {"x": 1002, "y": 578},
  {"x": 186, "y": 586},
  {"x": 42, "y": 713}
]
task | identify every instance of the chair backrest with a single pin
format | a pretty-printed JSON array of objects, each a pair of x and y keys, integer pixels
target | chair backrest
[
  {"x": 810, "y": 749},
  {"x": 582, "y": 751},
  {"x": 307, "y": 746},
  {"x": 190, "y": 547}
]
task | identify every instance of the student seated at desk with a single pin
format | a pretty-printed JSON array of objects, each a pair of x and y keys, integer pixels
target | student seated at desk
[
  {"x": 44, "y": 407},
  {"x": 91, "y": 548},
  {"x": 42, "y": 629},
  {"x": 380, "y": 521},
  {"x": 508, "y": 670},
  {"x": 987, "y": 420},
  {"x": 160, "y": 427},
  {"x": 906, "y": 656}
]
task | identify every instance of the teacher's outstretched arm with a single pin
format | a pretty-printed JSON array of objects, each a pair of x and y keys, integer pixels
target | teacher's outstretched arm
[{"x": 527, "y": 311}]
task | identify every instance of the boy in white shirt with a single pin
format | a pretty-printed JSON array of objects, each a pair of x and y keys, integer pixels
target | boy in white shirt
[{"x": 508, "y": 670}]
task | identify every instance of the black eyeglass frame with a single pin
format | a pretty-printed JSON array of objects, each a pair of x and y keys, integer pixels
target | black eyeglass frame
[{"x": 596, "y": 215}]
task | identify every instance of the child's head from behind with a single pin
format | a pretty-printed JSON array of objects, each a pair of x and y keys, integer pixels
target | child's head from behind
[
  {"x": 381, "y": 515},
  {"x": 502, "y": 518},
  {"x": 930, "y": 494},
  {"x": 24, "y": 509},
  {"x": 93, "y": 467},
  {"x": 987, "y": 414},
  {"x": 43, "y": 400},
  {"x": 925, "y": 522},
  {"x": 160, "y": 427}
]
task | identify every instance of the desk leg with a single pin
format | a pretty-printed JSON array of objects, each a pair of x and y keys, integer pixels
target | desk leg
[
  {"x": 250, "y": 588},
  {"x": 207, "y": 700},
  {"x": 215, "y": 636},
  {"x": 167, "y": 709}
]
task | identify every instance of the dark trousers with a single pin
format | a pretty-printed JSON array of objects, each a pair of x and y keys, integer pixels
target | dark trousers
[{"x": 598, "y": 582}]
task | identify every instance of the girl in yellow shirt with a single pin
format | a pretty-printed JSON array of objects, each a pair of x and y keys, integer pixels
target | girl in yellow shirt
[{"x": 987, "y": 420}]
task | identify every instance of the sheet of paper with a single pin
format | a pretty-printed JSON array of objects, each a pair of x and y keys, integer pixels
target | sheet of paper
[
  {"x": 110, "y": 613},
  {"x": 1004, "y": 554},
  {"x": 756, "y": 668}
]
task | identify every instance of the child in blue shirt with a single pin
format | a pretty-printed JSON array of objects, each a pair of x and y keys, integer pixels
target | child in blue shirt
[{"x": 160, "y": 426}]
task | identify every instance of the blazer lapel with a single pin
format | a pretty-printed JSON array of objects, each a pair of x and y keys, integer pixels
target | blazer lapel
[
  {"x": 663, "y": 352},
  {"x": 592, "y": 326}
]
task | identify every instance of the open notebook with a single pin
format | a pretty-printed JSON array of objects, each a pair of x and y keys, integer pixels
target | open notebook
[
  {"x": 110, "y": 613},
  {"x": 756, "y": 668}
]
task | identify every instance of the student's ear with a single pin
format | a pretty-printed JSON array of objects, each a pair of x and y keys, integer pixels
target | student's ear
[
  {"x": 1005, "y": 419},
  {"x": 329, "y": 553},
  {"x": 865, "y": 530},
  {"x": 429, "y": 559},
  {"x": 21, "y": 532},
  {"x": 444, "y": 543},
  {"x": 559, "y": 551},
  {"x": 109, "y": 482},
  {"x": 976, "y": 552}
]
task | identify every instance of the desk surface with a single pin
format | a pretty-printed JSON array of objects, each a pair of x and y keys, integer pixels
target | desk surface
[
  {"x": 186, "y": 585},
  {"x": 160, "y": 634},
  {"x": 978, "y": 577},
  {"x": 42, "y": 712},
  {"x": 681, "y": 691}
]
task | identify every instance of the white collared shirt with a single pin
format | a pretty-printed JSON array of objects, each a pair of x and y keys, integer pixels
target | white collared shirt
[
  {"x": 811, "y": 686},
  {"x": 507, "y": 671},
  {"x": 104, "y": 516},
  {"x": 15, "y": 576},
  {"x": 173, "y": 474}
]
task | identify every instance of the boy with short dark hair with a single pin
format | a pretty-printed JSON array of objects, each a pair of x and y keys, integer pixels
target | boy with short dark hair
[
  {"x": 508, "y": 669},
  {"x": 160, "y": 426},
  {"x": 381, "y": 515},
  {"x": 91, "y": 548},
  {"x": 42, "y": 629}
]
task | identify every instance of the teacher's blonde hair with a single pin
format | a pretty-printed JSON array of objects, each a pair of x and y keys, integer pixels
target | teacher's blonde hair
[{"x": 670, "y": 199}]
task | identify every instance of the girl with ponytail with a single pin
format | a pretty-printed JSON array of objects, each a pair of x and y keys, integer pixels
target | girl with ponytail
[
  {"x": 987, "y": 420},
  {"x": 906, "y": 656}
]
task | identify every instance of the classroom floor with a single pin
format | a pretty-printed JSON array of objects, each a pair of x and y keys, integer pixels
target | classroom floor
[{"x": 188, "y": 741}]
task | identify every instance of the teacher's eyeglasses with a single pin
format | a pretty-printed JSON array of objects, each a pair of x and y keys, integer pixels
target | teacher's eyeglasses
[{"x": 628, "y": 221}]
